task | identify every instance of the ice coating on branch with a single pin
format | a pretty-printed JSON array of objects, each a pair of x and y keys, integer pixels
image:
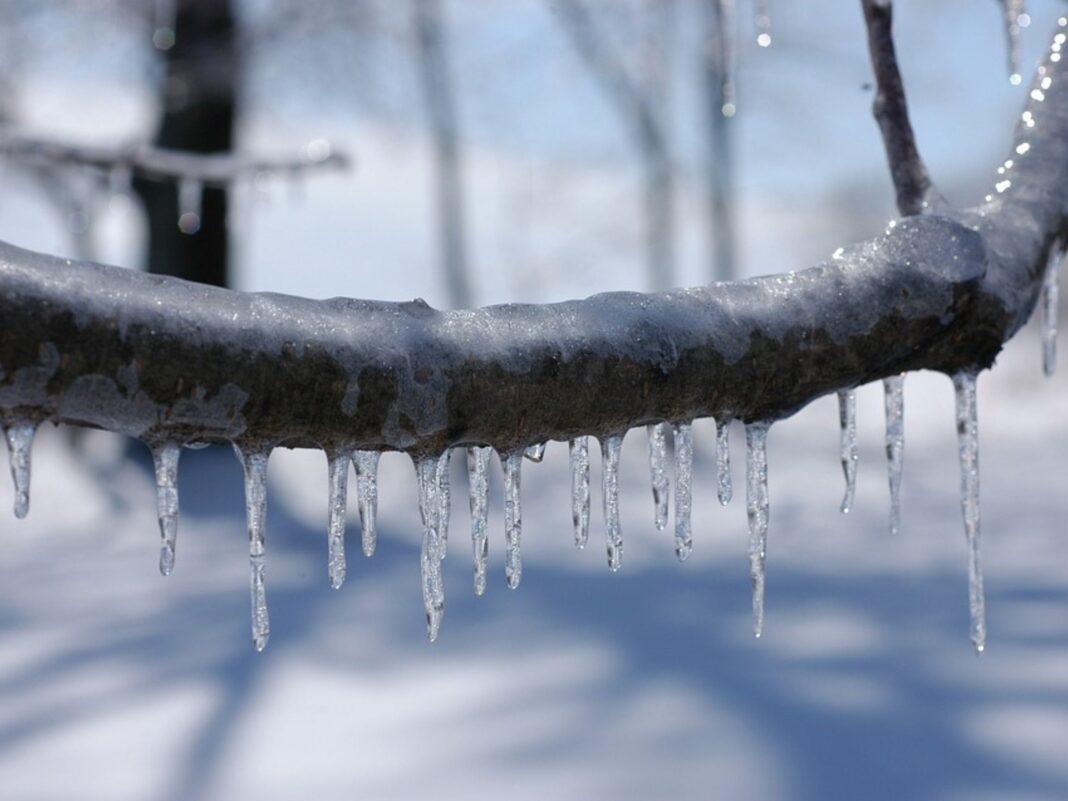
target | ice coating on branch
[
  {"x": 723, "y": 462},
  {"x": 610, "y": 448},
  {"x": 338, "y": 481},
  {"x": 190, "y": 195},
  {"x": 847, "y": 419},
  {"x": 756, "y": 502},
  {"x": 579, "y": 457},
  {"x": 536, "y": 452},
  {"x": 254, "y": 463},
  {"x": 444, "y": 500},
  {"x": 366, "y": 464},
  {"x": 894, "y": 399},
  {"x": 165, "y": 461},
  {"x": 763, "y": 22},
  {"x": 430, "y": 553},
  {"x": 968, "y": 448},
  {"x": 683, "y": 489},
  {"x": 478, "y": 482},
  {"x": 658, "y": 472},
  {"x": 1050, "y": 293},
  {"x": 513, "y": 518},
  {"x": 19, "y": 435},
  {"x": 1012, "y": 13}
]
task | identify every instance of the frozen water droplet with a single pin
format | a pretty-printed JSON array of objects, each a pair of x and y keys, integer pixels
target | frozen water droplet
[
  {"x": 894, "y": 398},
  {"x": 366, "y": 465},
  {"x": 610, "y": 449},
  {"x": 444, "y": 501},
  {"x": 254, "y": 463},
  {"x": 847, "y": 419},
  {"x": 579, "y": 457},
  {"x": 190, "y": 195},
  {"x": 683, "y": 489},
  {"x": 968, "y": 440},
  {"x": 426, "y": 472},
  {"x": 513, "y": 518},
  {"x": 165, "y": 460},
  {"x": 478, "y": 481},
  {"x": 1050, "y": 292},
  {"x": 536, "y": 452},
  {"x": 658, "y": 472},
  {"x": 757, "y": 507},
  {"x": 338, "y": 481},
  {"x": 19, "y": 435},
  {"x": 723, "y": 462}
]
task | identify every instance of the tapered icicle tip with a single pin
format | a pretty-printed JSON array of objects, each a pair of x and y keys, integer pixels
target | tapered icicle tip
[
  {"x": 610, "y": 450},
  {"x": 1050, "y": 293},
  {"x": 683, "y": 489},
  {"x": 426, "y": 472},
  {"x": 165, "y": 461},
  {"x": 478, "y": 481},
  {"x": 757, "y": 509},
  {"x": 366, "y": 465},
  {"x": 725, "y": 490},
  {"x": 254, "y": 463},
  {"x": 579, "y": 457},
  {"x": 337, "y": 505},
  {"x": 968, "y": 442},
  {"x": 894, "y": 400},
  {"x": 658, "y": 472},
  {"x": 1015, "y": 19},
  {"x": 19, "y": 435},
  {"x": 513, "y": 518},
  {"x": 847, "y": 418}
]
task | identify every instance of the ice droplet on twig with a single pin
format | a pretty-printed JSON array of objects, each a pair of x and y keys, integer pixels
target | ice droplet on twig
[
  {"x": 478, "y": 482},
  {"x": 658, "y": 471},
  {"x": 513, "y": 518},
  {"x": 1050, "y": 292},
  {"x": 338, "y": 480},
  {"x": 1013, "y": 10},
  {"x": 968, "y": 441},
  {"x": 723, "y": 462},
  {"x": 763, "y": 22},
  {"x": 254, "y": 463},
  {"x": 536, "y": 452},
  {"x": 366, "y": 464},
  {"x": 847, "y": 419},
  {"x": 894, "y": 399},
  {"x": 579, "y": 457},
  {"x": 165, "y": 461},
  {"x": 444, "y": 501},
  {"x": 683, "y": 489},
  {"x": 426, "y": 473},
  {"x": 757, "y": 507},
  {"x": 19, "y": 435},
  {"x": 610, "y": 448}
]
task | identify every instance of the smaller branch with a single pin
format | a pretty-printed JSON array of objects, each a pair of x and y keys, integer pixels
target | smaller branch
[
  {"x": 213, "y": 169},
  {"x": 911, "y": 181}
]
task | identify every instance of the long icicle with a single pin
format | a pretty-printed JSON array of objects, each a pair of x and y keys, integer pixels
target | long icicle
[
  {"x": 968, "y": 439},
  {"x": 444, "y": 501},
  {"x": 165, "y": 462},
  {"x": 658, "y": 472},
  {"x": 725, "y": 489},
  {"x": 1050, "y": 293},
  {"x": 20, "y": 435},
  {"x": 894, "y": 400},
  {"x": 426, "y": 472},
  {"x": 338, "y": 483},
  {"x": 478, "y": 482},
  {"x": 610, "y": 448},
  {"x": 254, "y": 463},
  {"x": 513, "y": 518},
  {"x": 366, "y": 464},
  {"x": 757, "y": 507},
  {"x": 683, "y": 489},
  {"x": 579, "y": 457},
  {"x": 847, "y": 418}
]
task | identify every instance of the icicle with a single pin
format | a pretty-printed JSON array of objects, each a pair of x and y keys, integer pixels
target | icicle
[
  {"x": 165, "y": 459},
  {"x": 338, "y": 481},
  {"x": 1013, "y": 11},
  {"x": 610, "y": 448},
  {"x": 763, "y": 23},
  {"x": 847, "y": 418},
  {"x": 724, "y": 44},
  {"x": 683, "y": 489},
  {"x": 658, "y": 470},
  {"x": 756, "y": 501},
  {"x": 536, "y": 452},
  {"x": 894, "y": 392},
  {"x": 478, "y": 481},
  {"x": 163, "y": 29},
  {"x": 19, "y": 436},
  {"x": 444, "y": 501},
  {"x": 723, "y": 462},
  {"x": 255, "y": 467},
  {"x": 190, "y": 195},
  {"x": 513, "y": 518},
  {"x": 426, "y": 471},
  {"x": 968, "y": 438},
  {"x": 366, "y": 464},
  {"x": 579, "y": 456},
  {"x": 1050, "y": 292}
]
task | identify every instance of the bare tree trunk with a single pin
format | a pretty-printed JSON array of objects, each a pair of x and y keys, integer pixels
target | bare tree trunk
[
  {"x": 441, "y": 105},
  {"x": 719, "y": 90}
]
